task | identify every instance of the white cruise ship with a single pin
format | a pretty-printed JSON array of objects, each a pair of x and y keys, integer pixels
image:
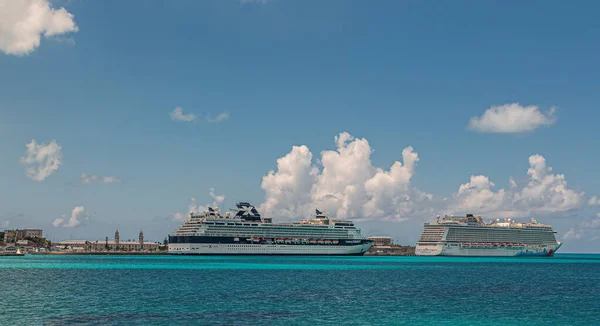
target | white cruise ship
[
  {"x": 247, "y": 233},
  {"x": 470, "y": 236}
]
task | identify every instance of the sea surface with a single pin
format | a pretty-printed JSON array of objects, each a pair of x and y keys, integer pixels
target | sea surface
[{"x": 161, "y": 290}]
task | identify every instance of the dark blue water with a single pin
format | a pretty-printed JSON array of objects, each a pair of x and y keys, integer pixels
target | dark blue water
[{"x": 145, "y": 290}]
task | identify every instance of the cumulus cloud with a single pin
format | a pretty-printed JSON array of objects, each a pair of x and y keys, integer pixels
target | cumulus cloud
[
  {"x": 344, "y": 183},
  {"x": 41, "y": 160},
  {"x": 288, "y": 189},
  {"x": 512, "y": 118},
  {"x": 178, "y": 115},
  {"x": 193, "y": 207},
  {"x": 542, "y": 193},
  {"x": 73, "y": 221},
  {"x": 477, "y": 196},
  {"x": 594, "y": 201},
  {"x": 23, "y": 22},
  {"x": 546, "y": 192},
  {"x": 92, "y": 178}
]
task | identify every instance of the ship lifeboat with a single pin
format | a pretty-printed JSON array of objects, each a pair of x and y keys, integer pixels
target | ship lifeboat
[
  {"x": 327, "y": 242},
  {"x": 288, "y": 241},
  {"x": 335, "y": 241},
  {"x": 320, "y": 241},
  {"x": 256, "y": 240},
  {"x": 312, "y": 241}
]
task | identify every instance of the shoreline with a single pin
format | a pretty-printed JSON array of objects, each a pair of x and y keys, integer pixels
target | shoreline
[{"x": 107, "y": 253}]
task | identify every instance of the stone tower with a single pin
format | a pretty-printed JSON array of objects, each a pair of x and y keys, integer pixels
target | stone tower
[
  {"x": 141, "y": 240},
  {"x": 117, "y": 239}
]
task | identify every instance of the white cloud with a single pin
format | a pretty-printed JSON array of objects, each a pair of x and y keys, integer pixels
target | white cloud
[
  {"x": 572, "y": 234},
  {"x": 5, "y": 224},
  {"x": 389, "y": 193},
  {"x": 546, "y": 192},
  {"x": 91, "y": 178},
  {"x": 262, "y": 2},
  {"x": 477, "y": 196},
  {"x": 594, "y": 201},
  {"x": 193, "y": 207},
  {"x": 288, "y": 189},
  {"x": 41, "y": 160},
  {"x": 219, "y": 118},
  {"x": 339, "y": 187},
  {"x": 512, "y": 118},
  {"x": 346, "y": 185},
  {"x": 178, "y": 115},
  {"x": 23, "y": 22},
  {"x": 217, "y": 199},
  {"x": 74, "y": 220}
]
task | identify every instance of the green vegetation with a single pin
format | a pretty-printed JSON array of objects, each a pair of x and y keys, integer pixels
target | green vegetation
[{"x": 40, "y": 242}]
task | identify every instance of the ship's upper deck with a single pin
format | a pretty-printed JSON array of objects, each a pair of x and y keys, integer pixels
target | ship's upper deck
[
  {"x": 247, "y": 220},
  {"x": 477, "y": 221}
]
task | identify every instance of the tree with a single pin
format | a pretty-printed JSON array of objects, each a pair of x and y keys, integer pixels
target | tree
[{"x": 166, "y": 242}]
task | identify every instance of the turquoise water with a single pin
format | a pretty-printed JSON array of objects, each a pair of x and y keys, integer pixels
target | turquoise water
[{"x": 159, "y": 290}]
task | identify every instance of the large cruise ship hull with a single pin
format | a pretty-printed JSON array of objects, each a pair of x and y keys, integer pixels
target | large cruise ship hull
[
  {"x": 226, "y": 247},
  {"x": 441, "y": 249}
]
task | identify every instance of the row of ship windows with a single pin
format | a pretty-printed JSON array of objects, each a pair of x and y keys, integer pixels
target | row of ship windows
[
  {"x": 272, "y": 236},
  {"x": 515, "y": 236},
  {"x": 272, "y": 232},
  {"x": 295, "y": 228},
  {"x": 279, "y": 229},
  {"x": 283, "y": 234},
  {"x": 248, "y": 247}
]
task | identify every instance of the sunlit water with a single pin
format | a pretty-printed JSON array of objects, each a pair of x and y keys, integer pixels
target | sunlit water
[{"x": 159, "y": 290}]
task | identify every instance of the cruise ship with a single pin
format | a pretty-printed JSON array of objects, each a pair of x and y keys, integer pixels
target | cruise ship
[
  {"x": 247, "y": 233},
  {"x": 470, "y": 236}
]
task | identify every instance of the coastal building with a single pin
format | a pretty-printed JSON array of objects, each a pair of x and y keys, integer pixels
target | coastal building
[
  {"x": 392, "y": 250},
  {"x": 12, "y": 236},
  {"x": 381, "y": 240},
  {"x": 109, "y": 245}
]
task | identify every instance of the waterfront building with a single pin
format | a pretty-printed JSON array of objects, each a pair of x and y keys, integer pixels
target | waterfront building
[
  {"x": 110, "y": 245},
  {"x": 381, "y": 240},
  {"x": 12, "y": 236}
]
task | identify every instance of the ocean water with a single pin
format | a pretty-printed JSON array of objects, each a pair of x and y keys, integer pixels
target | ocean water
[{"x": 160, "y": 290}]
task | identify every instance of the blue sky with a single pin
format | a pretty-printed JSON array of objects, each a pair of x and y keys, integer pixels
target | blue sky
[{"x": 396, "y": 73}]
